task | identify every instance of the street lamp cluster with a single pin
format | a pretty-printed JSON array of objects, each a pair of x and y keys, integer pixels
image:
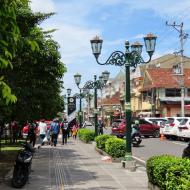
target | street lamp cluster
[
  {"x": 96, "y": 84},
  {"x": 130, "y": 59},
  {"x": 83, "y": 92}
]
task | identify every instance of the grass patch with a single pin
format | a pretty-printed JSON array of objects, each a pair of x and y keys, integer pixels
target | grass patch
[{"x": 8, "y": 155}]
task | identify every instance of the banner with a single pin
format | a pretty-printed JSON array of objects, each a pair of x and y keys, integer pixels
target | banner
[{"x": 71, "y": 105}]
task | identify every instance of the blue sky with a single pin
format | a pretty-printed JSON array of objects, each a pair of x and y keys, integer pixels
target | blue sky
[{"x": 78, "y": 21}]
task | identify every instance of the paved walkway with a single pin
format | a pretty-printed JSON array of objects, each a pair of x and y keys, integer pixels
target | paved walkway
[{"x": 77, "y": 166}]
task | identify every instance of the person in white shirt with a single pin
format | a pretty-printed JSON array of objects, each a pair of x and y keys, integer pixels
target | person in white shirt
[{"x": 42, "y": 130}]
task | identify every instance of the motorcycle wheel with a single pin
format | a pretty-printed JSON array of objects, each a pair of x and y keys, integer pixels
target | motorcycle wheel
[
  {"x": 136, "y": 143},
  {"x": 20, "y": 177}
]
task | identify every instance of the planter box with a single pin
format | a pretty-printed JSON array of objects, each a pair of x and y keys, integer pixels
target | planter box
[
  {"x": 100, "y": 151},
  {"x": 152, "y": 187}
]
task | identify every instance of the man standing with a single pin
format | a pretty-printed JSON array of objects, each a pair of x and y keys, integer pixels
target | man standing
[{"x": 55, "y": 127}]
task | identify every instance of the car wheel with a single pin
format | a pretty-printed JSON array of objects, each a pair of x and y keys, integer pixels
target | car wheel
[
  {"x": 174, "y": 138},
  {"x": 119, "y": 136},
  {"x": 156, "y": 134}
]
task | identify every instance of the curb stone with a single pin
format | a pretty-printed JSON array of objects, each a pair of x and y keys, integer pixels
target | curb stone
[{"x": 152, "y": 187}]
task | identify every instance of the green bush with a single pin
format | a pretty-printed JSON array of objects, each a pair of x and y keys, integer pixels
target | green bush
[
  {"x": 86, "y": 135},
  {"x": 178, "y": 176},
  {"x": 169, "y": 172},
  {"x": 115, "y": 147},
  {"x": 101, "y": 140}
]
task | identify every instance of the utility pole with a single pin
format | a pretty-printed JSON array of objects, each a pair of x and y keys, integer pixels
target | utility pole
[{"x": 182, "y": 36}]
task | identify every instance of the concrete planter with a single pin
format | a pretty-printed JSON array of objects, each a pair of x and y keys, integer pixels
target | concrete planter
[
  {"x": 152, "y": 187},
  {"x": 100, "y": 151}
]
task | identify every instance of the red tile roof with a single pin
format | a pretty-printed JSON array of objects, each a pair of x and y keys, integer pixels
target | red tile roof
[
  {"x": 164, "y": 78},
  {"x": 114, "y": 100}
]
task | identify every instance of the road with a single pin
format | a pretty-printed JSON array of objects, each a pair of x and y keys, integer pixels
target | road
[{"x": 154, "y": 146}]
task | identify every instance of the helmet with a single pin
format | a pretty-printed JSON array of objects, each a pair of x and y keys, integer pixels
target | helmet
[{"x": 136, "y": 122}]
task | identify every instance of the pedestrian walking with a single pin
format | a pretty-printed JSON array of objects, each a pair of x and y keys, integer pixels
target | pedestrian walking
[
  {"x": 32, "y": 133},
  {"x": 14, "y": 131},
  {"x": 48, "y": 133},
  {"x": 25, "y": 130},
  {"x": 74, "y": 131},
  {"x": 55, "y": 128},
  {"x": 65, "y": 131},
  {"x": 42, "y": 130},
  {"x": 100, "y": 126}
]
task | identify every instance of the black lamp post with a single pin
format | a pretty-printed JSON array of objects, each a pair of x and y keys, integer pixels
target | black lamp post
[
  {"x": 68, "y": 92},
  {"x": 97, "y": 84},
  {"x": 68, "y": 95},
  {"x": 81, "y": 95},
  {"x": 129, "y": 59}
]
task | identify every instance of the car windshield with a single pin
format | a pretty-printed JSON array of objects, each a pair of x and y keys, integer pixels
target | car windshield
[
  {"x": 169, "y": 121},
  {"x": 183, "y": 121}
]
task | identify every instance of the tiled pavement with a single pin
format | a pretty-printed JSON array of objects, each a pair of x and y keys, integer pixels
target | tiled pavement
[{"x": 77, "y": 166}]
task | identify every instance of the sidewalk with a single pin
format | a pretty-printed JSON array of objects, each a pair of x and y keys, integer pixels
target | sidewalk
[{"x": 77, "y": 166}]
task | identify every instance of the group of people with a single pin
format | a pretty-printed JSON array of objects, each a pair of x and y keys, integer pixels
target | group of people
[{"x": 48, "y": 133}]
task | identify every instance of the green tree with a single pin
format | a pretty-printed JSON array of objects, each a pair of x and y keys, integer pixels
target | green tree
[
  {"x": 36, "y": 77},
  {"x": 9, "y": 34}
]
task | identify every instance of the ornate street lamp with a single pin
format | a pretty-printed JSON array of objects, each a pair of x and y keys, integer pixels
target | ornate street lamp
[
  {"x": 130, "y": 59},
  {"x": 68, "y": 92},
  {"x": 66, "y": 98},
  {"x": 77, "y": 78},
  {"x": 97, "y": 84}
]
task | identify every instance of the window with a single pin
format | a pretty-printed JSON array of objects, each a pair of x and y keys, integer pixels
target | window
[
  {"x": 188, "y": 92},
  {"x": 142, "y": 121},
  {"x": 177, "y": 69},
  {"x": 146, "y": 96},
  {"x": 173, "y": 92}
]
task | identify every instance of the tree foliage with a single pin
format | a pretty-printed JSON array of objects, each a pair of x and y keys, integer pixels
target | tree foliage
[
  {"x": 36, "y": 76},
  {"x": 9, "y": 34}
]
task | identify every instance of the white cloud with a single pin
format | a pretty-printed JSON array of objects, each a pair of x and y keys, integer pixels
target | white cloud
[
  {"x": 74, "y": 41},
  {"x": 138, "y": 36},
  {"x": 171, "y": 8},
  {"x": 42, "y": 5},
  {"x": 76, "y": 27}
]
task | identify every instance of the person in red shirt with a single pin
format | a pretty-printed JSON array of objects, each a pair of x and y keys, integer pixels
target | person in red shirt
[{"x": 25, "y": 131}]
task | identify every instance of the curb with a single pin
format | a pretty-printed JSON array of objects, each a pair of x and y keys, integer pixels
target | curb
[
  {"x": 117, "y": 160},
  {"x": 114, "y": 160},
  {"x": 152, "y": 187},
  {"x": 139, "y": 161}
]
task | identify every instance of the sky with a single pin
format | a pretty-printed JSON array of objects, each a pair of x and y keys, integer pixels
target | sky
[{"x": 115, "y": 21}]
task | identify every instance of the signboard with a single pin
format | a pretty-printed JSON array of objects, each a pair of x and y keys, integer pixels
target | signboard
[{"x": 71, "y": 105}]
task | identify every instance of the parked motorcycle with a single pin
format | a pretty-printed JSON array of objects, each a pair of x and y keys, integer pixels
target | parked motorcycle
[
  {"x": 22, "y": 166},
  {"x": 186, "y": 152}
]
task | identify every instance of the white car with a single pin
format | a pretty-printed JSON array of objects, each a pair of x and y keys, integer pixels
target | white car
[
  {"x": 160, "y": 121},
  {"x": 171, "y": 127},
  {"x": 184, "y": 129}
]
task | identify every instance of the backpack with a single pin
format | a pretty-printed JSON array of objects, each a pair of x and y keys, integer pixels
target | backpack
[
  {"x": 64, "y": 127},
  {"x": 55, "y": 128}
]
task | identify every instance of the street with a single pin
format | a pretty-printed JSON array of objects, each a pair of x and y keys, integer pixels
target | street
[{"x": 154, "y": 146}]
